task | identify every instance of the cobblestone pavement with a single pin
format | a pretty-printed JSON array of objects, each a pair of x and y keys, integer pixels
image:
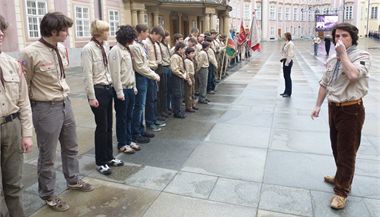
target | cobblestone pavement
[{"x": 249, "y": 153}]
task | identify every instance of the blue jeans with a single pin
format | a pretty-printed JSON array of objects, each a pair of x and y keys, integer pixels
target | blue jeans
[
  {"x": 124, "y": 114},
  {"x": 151, "y": 103},
  {"x": 168, "y": 74},
  {"x": 139, "y": 108}
]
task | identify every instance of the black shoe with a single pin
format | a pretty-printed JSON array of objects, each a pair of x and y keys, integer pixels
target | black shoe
[
  {"x": 180, "y": 116},
  {"x": 148, "y": 134},
  {"x": 160, "y": 123},
  {"x": 164, "y": 115},
  {"x": 203, "y": 102},
  {"x": 285, "y": 95},
  {"x": 211, "y": 92},
  {"x": 207, "y": 100},
  {"x": 154, "y": 128},
  {"x": 282, "y": 94},
  {"x": 141, "y": 139}
]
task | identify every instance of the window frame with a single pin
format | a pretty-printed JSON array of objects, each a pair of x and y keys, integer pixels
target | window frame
[
  {"x": 112, "y": 32},
  {"x": 82, "y": 19},
  {"x": 36, "y": 16}
]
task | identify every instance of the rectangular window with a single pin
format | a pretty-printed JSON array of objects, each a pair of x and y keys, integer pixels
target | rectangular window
[
  {"x": 272, "y": 31},
  {"x": 279, "y": 13},
  {"x": 114, "y": 20},
  {"x": 272, "y": 12},
  {"x": 161, "y": 22},
  {"x": 348, "y": 13},
  {"x": 258, "y": 12},
  {"x": 295, "y": 13},
  {"x": 82, "y": 21},
  {"x": 374, "y": 13},
  {"x": 247, "y": 11},
  {"x": 287, "y": 13},
  {"x": 35, "y": 11}
]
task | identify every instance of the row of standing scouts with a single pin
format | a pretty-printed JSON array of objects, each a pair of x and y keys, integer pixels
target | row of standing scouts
[{"x": 143, "y": 78}]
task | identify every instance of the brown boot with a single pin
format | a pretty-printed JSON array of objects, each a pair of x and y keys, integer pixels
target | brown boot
[{"x": 338, "y": 202}]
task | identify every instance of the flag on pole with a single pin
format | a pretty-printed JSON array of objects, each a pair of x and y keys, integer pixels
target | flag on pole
[
  {"x": 242, "y": 35},
  {"x": 255, "y": 36},
  {"x": 230, "y": 49}
]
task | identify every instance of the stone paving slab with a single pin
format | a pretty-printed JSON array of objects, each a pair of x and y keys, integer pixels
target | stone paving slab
[
  {"x": 287, "y": 200},
  {"x": 236, "y": 192},
  {"x": 243, "y": 135},
  {"x": 298, "y": 170},
  {"x": 152, "y": 178},
  {"x": 373, "y": 207},
  {"x": 169, "y": 205},
  {"x": 265, "y": 213},
  {"x": 106, "y": 200},
  {"x": 248, "y": 118},
  {"x": 355, "y": 206},
  {"x": 192, "y": 184},
  {"x": 227, "y": 161}
]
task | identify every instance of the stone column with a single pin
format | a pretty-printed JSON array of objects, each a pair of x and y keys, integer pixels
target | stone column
[
  {"x": 142, "y": 17},
  {"x": 221, "y": 24},
  {"x": 134, "y": 18},
  {"x": 156, "y": 14},
  {"x": 227, "y": 24},
  {"x": 206, "y": 23},
  {"x": 180, "y": 29},
  {"x": 264, "y": 20},
  {"x": 213, "y": 21}
]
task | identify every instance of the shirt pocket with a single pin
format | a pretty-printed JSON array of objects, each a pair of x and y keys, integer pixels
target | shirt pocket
[{"x": 12, "y": 83}]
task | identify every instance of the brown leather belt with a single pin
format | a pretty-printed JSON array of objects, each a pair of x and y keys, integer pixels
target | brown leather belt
[
  {"x": 348, "y": 103},
  {"x": 8, "y": 118}
]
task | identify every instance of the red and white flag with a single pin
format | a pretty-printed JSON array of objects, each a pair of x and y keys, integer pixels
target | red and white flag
[
  {"x": 242, "y": 35},
  {"x": 255, "y": 35}
]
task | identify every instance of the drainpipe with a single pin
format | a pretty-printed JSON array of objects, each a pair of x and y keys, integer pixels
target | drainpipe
[
  {"x": 369, "y": 10},
  {"x": 100, "y": 10}
]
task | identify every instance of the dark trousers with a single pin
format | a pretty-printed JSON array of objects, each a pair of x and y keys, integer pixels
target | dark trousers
[
  {"x": 346, "y": 123},
  {"x": 124, "y": 113},
  {"x": 327, "y": 48},
  {"x": 211, "y": 78},
  {"x": 139, "y": 108},
  {"x": 151, "y": 103},
  {"x": 316, "y": 49},
  {"x": 103, "y": 120},
  {"x": 288, "y": 80},
  {"x": 163, "y": 90},
  {"x": 177, "y": 84}
]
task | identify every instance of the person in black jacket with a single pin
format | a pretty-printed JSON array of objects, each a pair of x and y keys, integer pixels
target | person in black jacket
[{"x": 327, "y": 44}]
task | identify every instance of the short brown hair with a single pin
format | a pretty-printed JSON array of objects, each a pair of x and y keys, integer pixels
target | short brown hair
[
  {"x": 348, "y": 27},
  {"x": 158, "y": 30},
  {"x": 54, "y": 21},
  {"x": 141, "y": 28},
  {"x": 288, "y": 36},
  {"x": 3, "y": 24}
]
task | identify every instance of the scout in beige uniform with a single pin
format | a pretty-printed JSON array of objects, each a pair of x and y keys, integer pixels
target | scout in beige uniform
[
  {"x": 189, "y": 86},
  {"x": 198, "y": 48},
  {"x": 178, "y": 78},
  {"x": 212, "y": 69},
  {"x": 124, "y": 82},
  {"x": 15, "y": 131},
  {"x": 345, "y": 83},
  {"x": 178, "y": 37},
  {"x": 44, "y": 62},
  {"x": 164, "y": 90},
  {"x": 203, "y": 64},
  {"x": 143, "y": 74},
  {"x": 193, "y": 34},
  {"x": 155, "y": 63},
  {"x": 100, "y": 92}
]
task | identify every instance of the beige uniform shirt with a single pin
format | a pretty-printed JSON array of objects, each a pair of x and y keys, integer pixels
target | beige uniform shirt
[
  {"x": 43, "y": 74},
  {"x": 212, "y": 58},
  {"x": 287, "y": 52},
  {"x": 215, "y": 45},
  {"x": 93, "y": 68},
  {"x": 165, "y": 54},
  {"x": 151, "y": 53},
  {"x": 121, "y": 68},
  {"x": 177, "y": 66},
  {"x": 140, "y": 60},
  {"x": 189, "y": 66},
  {"x": 342, "y": 89},
  {"x": 14, "y": 94},
  {"x": 203, "y": 61}
]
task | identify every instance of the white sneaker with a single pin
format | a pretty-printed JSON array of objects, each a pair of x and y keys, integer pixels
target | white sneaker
[{"x": 104, "y": 169}]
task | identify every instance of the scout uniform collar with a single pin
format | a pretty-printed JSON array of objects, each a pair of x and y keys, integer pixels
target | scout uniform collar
[
  {"x": 55, "y": 48},
  {"x": 104, "y": 55}
]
